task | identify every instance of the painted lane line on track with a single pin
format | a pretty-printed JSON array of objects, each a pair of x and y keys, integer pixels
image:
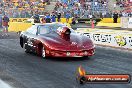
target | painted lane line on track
[{"x": 4, "y": 84}]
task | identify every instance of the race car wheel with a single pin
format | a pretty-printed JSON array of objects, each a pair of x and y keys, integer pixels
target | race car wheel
[
  {"x": 43, "y": 53},
  {"x": 25, "y": 49}
]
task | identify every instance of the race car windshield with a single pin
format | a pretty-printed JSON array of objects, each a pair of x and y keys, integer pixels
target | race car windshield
[{"x": 45, "y": 29}]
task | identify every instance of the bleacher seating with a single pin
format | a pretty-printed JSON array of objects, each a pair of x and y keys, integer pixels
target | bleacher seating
[
  {"x": 26, "y": 9},
  {"x": 126, "y": 7},
  {"x": 83, "y": 8}
]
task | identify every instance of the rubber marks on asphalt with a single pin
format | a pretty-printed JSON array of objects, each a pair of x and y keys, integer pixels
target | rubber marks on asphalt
[{"x": 4, "y": 84}]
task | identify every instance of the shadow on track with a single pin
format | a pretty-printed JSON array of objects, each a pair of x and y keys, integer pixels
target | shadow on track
[
  {"x": 61, "y": 59},
  {"x": 68, "y": 59}
]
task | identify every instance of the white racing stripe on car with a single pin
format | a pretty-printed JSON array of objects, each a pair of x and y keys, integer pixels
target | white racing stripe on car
[{"x": 4, "y": 84}]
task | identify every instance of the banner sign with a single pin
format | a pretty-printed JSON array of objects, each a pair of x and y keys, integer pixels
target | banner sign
[{"x": 114, "y": 39}]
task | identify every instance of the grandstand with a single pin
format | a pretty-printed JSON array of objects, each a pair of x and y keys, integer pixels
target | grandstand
[
  {"x": 22, "y": 8},
  {"x": 77, "y": 8},
  {"x": 124, "y": 7},
  {"x": 83, "y": 8}
]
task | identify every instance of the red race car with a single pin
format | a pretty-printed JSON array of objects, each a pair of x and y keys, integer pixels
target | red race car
[{"x": 56, "y": 40}]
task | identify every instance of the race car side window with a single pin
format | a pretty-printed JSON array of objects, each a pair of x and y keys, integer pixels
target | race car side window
[
  {"x": 32, "y": 30},
  {"x": 43, "y": 29}
]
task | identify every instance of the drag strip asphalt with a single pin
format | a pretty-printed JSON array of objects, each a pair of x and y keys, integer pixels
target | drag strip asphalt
[{"x": 23, "y": 70}]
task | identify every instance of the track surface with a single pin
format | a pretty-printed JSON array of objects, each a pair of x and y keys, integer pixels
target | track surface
[{"x": 23, "y": 70}]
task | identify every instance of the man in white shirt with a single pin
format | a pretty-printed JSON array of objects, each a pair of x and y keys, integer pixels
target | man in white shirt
[{"x": 90, "y": 16}]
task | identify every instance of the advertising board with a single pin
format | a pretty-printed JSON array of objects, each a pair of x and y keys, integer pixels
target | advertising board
[{"x": 107, "y": 38}]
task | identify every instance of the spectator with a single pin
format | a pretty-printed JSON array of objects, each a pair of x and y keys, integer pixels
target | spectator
[
  {"x": 36, "y": 17},
  {"x": 48, "y": 18},
  {"x": 90, "y": 16},
  {"x": 59, "y": 16},
  {"x": 73, "y": 21},
  {"x": 68, "y": 15},
  {"x": 0, "y": 19},
  {"x": 43, "y": 20},
  {"x": 5, "y": 24},
  {"x": 53, "y": 17},
  {"x": 115, "y": 17},
  {"x": 115, "y": 6}
]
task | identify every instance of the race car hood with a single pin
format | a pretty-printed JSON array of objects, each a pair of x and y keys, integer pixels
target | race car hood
[{"x": 76, "y": 42}]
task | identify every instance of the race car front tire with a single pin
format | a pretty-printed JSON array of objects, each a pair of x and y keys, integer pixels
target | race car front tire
[
  {"x": 43, "y": 53},
  {"x": 25, "y": 49}
]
